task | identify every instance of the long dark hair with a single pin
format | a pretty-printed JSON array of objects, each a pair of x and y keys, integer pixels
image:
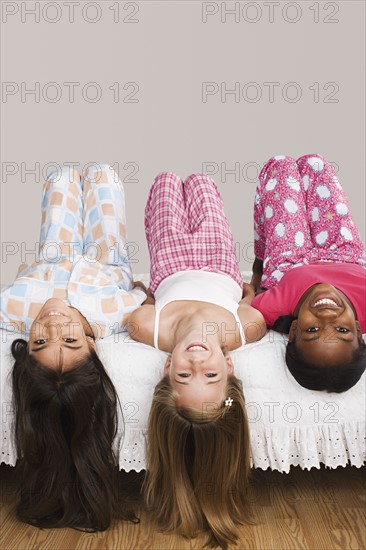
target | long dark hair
[
  {"x": 65, "y": 424},
  {"x": 319, "y": 377}
]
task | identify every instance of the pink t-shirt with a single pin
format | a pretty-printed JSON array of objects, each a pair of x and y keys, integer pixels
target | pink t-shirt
[{"x": 283, "y": 299}]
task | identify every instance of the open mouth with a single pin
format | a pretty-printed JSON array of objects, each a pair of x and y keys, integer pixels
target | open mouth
[
  {"x": 196, "y": 347},
  {"x": 325, "y": 303},
  {"x": 53, "y": 313}
]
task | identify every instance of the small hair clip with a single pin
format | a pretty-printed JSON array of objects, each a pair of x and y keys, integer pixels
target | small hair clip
[{"x": 228, "y": 402}]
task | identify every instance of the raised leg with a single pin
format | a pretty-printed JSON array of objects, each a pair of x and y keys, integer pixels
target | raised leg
[
  {"x": 105, "y": 238},
  {"x": 62, "y": 216},
  {"x": 166, "y": 228},
  {"x": 281, "y": 230},
  {"x": 334, "y": 234},
  {"x": 212, "y": 243}
]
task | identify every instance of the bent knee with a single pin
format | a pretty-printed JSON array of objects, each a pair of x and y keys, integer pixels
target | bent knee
[
  {"x": 315, "y": 161},
  {"x": 281, "y": 160},
  {"x": 66, "y": 173},
  {"x": 276, "y": 163},
  {"x": 200, "y": 177},
  {"x": 100, "y": 173},
  {"x": 167, "y": 177}
]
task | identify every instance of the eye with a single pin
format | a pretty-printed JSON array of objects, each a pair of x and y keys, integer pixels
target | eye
[
  {"x": 342, "y": 329},
  {"x": 211, "y": 374},
  {"x": 69, "y": 340},
  {"x": 312, "y": 329},
  {"x": 184, "y": 375},
  {"x": 40, "y": 342}
]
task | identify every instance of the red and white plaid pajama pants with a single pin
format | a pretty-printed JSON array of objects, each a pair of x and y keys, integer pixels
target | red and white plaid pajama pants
[{"x": 186, "y": 228}]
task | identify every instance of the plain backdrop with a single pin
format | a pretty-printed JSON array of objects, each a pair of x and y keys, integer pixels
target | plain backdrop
[{"x": 145, "y": 86}]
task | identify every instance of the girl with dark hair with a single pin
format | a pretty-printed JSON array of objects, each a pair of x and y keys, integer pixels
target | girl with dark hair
[
  {"x": 198, "y": 437},
  {"x": 310, "y": 270},
  {"x": 79, "y": 289}
]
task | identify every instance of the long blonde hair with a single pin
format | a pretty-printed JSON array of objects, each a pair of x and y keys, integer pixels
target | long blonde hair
[{"x": 198, "y": 465}]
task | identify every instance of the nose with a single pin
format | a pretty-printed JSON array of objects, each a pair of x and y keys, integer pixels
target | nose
[
  {"x": 326, "y": 313},
  {"x": 52, "y": 328},
  {"x": 196, "y": 361},
  {"x": 53, "y": 331}
]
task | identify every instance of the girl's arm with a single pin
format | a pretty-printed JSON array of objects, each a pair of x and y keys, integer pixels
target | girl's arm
[
  {"x": 150, "y": 296},
  {"x": 141, "y": 324},
  {"x": 248, "y": 293},
  {"x": 257, "y": 273},
  {"x": 252, "y": 321}
]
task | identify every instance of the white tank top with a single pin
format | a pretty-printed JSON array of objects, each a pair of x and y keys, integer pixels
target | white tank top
[{"x": 201, "y": 286}]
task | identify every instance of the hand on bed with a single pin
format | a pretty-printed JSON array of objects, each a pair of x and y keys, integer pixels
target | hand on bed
[
  {"x": 140, "y": 284},
  {"x": 248, "y": 293},
  {"x": 150, "y": 298},
  {"x": 257, "y": 274}
]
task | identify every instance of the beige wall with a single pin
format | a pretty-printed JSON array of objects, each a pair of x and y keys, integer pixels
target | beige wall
[{"x": 297, "y": 70}]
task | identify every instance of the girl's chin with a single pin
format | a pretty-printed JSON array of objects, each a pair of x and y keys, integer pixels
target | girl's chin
[
  {"x": 54, "y": 300},
  {"x": 54, "y": 305}
]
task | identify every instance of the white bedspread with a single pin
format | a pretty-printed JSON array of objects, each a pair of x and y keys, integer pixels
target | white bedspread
[{"x": 289, "y": 425}]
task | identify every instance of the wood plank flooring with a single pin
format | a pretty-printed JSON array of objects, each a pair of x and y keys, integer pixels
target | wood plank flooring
[{"x": 311, "y": 510}]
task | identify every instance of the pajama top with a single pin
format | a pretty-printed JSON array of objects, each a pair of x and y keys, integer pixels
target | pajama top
[
  {"x": 201, "y": 286},
  {"x": 283, "y": 298},
  {"x": 92, "y": 288}
]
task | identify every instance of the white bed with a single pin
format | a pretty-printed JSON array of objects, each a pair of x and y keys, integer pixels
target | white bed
[{"x": 289, "y": 425}]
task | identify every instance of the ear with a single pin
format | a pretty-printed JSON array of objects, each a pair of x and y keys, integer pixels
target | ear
[
  {"x": 230, "y": 366},
  {"x": 91, "y": 343},
  {"x": 359, "y": 332},
  {"x": 292, "y": 331},
  {"x": 168, "y": 362}
]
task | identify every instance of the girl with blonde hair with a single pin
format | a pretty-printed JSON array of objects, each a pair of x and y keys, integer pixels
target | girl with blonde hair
[{"x": 198, "y": 436}]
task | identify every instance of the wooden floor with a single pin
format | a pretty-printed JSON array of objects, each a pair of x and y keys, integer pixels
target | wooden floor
[{"x": 316, "y": 509}]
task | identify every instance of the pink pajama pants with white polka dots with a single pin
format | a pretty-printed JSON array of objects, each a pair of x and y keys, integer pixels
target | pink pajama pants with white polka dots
[{"x": 302, "y": 216}]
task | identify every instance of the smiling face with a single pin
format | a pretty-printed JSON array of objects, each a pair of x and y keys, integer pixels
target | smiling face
[
  {"x": 326, "y": 331},
  {"x": 199, "y": 372},
  {"x": 59, "y": 336}
]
